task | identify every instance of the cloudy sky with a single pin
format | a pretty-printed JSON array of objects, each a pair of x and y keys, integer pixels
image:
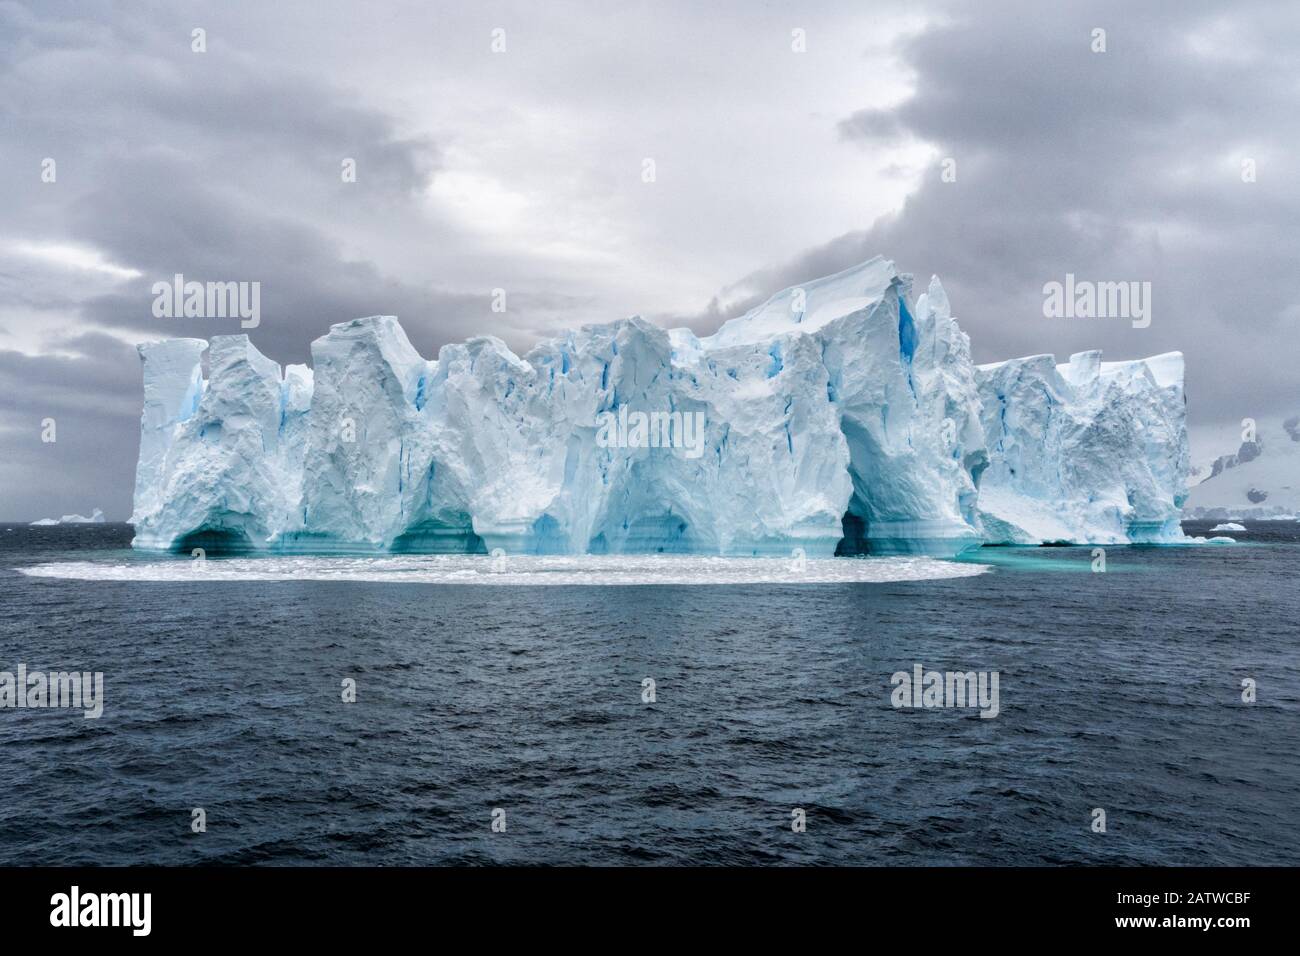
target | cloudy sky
[{"x": 522, "y": 169}]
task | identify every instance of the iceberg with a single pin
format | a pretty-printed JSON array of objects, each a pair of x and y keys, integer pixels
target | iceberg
[
  {"x": 220, "y": 458},
  {"x": 96, "y": 517},
  {"x": 838, "y": 417},
  {"x": 1088, "y": 452}
]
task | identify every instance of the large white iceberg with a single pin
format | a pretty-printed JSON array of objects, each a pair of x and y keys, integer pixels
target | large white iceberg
[
  {"x": 837, "y": 417},
  {"x": 1085, "y": 452}
]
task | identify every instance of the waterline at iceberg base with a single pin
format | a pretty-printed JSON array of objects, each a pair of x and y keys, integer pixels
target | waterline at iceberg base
[{"x": 839, "y": 417}]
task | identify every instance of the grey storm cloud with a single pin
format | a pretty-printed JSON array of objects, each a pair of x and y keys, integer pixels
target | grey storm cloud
[
  {"x": 876, "y": 124},
  {"x": 1122, "y": 165},
  {"x": 91, "y": 391},
  {"x": 180, "y": 170},
  {"x": 1116, "y": 165}
]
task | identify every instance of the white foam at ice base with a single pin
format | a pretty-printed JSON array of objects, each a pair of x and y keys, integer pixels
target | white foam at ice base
[{"x": 522, "y": 570}]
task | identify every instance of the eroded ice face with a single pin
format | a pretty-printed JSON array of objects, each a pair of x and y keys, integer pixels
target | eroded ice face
[
  {"x": 1084, "y": 452},
  {"x": 837, "y": 416}
]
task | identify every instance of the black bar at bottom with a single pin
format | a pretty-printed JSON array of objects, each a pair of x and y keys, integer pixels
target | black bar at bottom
[{"x": 371, "y": 904}]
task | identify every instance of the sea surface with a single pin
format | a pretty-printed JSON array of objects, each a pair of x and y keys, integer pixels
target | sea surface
[{"x": 519, "y": 694}]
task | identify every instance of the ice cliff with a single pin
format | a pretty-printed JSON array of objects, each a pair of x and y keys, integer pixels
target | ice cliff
[
  {"x": 837, "y": 417},
  {"x": 1085, "y": 452}
]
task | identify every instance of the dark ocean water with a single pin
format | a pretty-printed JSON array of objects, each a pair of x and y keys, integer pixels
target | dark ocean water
[{"x": 1119, "y": 690}]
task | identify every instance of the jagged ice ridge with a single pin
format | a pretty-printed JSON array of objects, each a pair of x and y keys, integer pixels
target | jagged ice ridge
[{"x": 837, "y": 417}]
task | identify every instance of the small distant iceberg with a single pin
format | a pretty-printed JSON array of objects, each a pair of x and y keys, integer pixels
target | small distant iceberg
[
  {"x": 96, "y": 517},
  {"x": 1228, "y": 526}
]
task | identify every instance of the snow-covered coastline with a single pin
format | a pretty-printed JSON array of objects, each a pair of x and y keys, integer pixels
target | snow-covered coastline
[{"x": 1259, "y": 481}]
